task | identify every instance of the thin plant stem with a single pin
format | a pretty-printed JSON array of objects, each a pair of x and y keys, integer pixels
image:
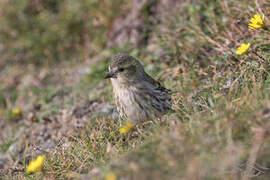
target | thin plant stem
[{"x": 262, "y": 59}]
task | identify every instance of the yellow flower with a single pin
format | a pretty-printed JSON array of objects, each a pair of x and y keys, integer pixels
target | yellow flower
[
  {"x": 17, "y": 112},
  {"x": 36, "y": 165},
  {"x": 126, "y": 128},
  {"x": 242, "y": 49},
  {"x": 256, "y": 22},
  {"x": 110, "y": 176}
]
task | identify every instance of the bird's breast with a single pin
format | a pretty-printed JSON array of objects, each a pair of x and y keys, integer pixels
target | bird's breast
[{"x": 130, "y": 104}]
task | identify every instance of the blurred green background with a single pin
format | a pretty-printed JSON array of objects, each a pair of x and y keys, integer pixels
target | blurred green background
[{"x": 49, "y": 31}]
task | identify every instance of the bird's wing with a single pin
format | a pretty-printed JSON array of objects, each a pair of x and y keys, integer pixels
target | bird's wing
[{"x": 157, "y": 84}]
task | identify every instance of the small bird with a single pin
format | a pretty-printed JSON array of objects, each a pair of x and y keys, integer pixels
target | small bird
[{"x": 137, "y": 95}]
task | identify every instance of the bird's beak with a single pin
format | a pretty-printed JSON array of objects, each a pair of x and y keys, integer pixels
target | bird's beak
[{"x": 110, "y": 75}]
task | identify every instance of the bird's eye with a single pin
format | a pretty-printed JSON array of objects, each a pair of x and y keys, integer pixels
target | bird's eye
[{"x": 121, "y": 69}]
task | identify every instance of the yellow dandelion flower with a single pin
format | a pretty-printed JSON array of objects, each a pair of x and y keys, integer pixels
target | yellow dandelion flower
[
  {"x": 16, "y": 112},
  {"x": 256, "y": 22},
  {"x": 36, "y": 165},
  {"x": 110, "y": 176},
  {"x": 126, "y": 128},
  {"x": 242, "y": 49}
]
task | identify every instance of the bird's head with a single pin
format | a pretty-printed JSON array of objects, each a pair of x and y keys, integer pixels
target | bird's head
[{"x": 125, "y": 69}]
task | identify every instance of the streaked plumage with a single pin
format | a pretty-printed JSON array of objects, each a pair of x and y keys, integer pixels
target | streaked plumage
[{"x": 137, "y": 95}]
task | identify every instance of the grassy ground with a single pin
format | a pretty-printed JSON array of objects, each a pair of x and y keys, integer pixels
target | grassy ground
[{"x": 220, "y": 128}]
